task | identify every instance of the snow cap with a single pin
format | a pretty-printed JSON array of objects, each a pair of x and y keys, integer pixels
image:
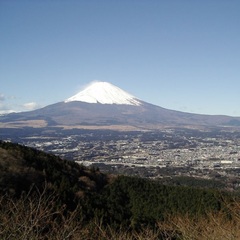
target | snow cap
[{"x": 104, "y": 93}]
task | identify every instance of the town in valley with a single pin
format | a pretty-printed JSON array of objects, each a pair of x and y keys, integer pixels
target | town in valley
[{"x": 171, "y": 152}]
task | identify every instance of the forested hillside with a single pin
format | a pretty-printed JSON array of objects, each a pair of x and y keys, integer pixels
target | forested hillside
[{"x": 45, "y": 197}]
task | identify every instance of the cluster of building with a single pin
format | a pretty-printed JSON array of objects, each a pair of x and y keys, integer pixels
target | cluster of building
[
  {"x": 198, "y": 152},
  {"x": 212, "y": 154}
]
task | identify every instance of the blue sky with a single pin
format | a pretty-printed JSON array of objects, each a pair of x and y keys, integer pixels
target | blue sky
[{"x": 178, "y": 54}]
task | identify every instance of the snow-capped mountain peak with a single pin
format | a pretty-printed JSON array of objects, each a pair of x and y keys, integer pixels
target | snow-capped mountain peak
[{"x": 104, "y": 93}]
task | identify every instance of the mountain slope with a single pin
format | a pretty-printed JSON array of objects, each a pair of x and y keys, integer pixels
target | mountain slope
[
  {"x": 146, "y": 115},
  {"x": 21, "y": 167}
]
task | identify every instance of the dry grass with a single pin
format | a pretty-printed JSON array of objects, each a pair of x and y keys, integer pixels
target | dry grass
[
  {"x": 35, "y": 218},
  {"x": 214, "y": 226},
  {"x": 104, "y": 127},
  {"x": 27, "y": 123}
]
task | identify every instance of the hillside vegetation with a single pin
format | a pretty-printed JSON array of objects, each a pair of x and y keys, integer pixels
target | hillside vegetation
[{"x": 45, "y": 197}]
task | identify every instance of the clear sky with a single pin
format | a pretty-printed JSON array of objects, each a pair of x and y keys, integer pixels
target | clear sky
[{"x": 178, "y": 54}]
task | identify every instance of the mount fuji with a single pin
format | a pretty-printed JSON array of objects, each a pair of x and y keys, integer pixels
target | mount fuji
[{"x": 103, "y": 105}]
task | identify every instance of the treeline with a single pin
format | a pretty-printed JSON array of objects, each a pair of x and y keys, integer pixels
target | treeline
[
  {"x": 134, "y": 202},
  {"x": 193, "y": 182}
]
